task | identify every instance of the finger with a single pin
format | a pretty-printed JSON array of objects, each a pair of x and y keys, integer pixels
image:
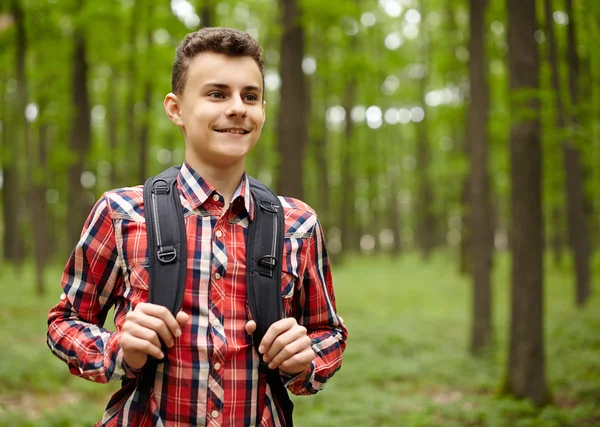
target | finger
[
  {"x": 283, "y": 340},
  {"x": 182, "y": 318},
  {"x": 162, "y": 313},
  {"x": 143, "y": 333},
  {"x": 250, "y": 327},
  {"x": 288, "y": 352},
  {"x": 276, "y": 329},
  {"x": 154, "y": 324},
  {"x": 298, "y": 362},
  {"x": 132, "y": 343}
]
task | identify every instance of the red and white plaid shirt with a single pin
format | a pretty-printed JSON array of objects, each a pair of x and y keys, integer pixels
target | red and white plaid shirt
[{"x": 210, "y": 376}]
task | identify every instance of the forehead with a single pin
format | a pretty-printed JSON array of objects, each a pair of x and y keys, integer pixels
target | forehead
[{"x": 219, "y": 68}]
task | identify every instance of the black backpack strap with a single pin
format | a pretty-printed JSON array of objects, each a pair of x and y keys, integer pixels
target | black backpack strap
[
  {"x": 264, "y": 254},
  {"x": 167, "y": 257}
]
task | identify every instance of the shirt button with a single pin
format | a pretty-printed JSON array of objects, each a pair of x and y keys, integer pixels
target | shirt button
[
  {"x": 217, "y": 366},
  {"x": 216, "y": 197},
  {"x": 214, "y": 414},
  {"x": 217, "y": 276},
  {"x": 219, "y": 233},
  {"x": 63, "y": 296},
  {"x": 216, "y": 322}
]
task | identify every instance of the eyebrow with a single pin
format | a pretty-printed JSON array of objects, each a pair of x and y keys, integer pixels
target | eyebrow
[{"x": 224, "y": 86}]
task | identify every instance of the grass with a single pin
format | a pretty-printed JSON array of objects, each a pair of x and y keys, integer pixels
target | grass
[{"x": 406, "y": 363}]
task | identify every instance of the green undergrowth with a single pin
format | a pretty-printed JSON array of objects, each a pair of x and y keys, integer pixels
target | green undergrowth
[{"x": 406, "y": 364}]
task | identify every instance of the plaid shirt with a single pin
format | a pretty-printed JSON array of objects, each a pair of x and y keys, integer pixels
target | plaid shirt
[{"x": 210, "y": 376}]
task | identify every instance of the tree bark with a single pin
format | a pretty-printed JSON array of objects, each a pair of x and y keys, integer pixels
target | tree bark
[
  {"x": 426, "y": 224},
  {"x": 39, "y": 208},
  {"x": 348, "y": 181},
  {"x": 526, "y": 362},
  {"x": 206, "y": 13},
  {"x": 113, "y": 128},
  {"x": 80, "y": 137},
  {"x": 144, "y": 129},
  {"x": 132, "y": 78},
  {"x": 292, "y": 124},
  {"x": 481, "y": 219},
  {"x": 13, "y": 244},
  {"x": 576, "y": 215}
]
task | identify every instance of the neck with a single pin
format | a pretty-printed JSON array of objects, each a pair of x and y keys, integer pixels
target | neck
[{"x": 223, "y": 179}]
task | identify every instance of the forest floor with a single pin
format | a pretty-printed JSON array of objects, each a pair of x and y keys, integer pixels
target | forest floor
[{"x": 406, "y": 364}]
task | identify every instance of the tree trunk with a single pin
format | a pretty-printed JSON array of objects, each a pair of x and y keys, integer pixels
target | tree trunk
[
  {"x": 132, "y": 78},
  {"x": 113, "y": 128},
  {"x": 557, "y": 242},
  {"x": 13, "y": 244},
  {"x": 40, "y": 208},
  {"x": 481, "y": 220},
  {"x": 395, "y": 214},
  {"x": 206, "y": 13},
  {"x": 576, "y": 215},
  {"x": 348, "y": 180},
  {"x": 144, "y": 130},
  {"x": 526, "y": 362},
  {"x": 425, "y": 220},
  {"x": 321, "y": 144},
  {"x": 292, "y": 124},
  {"x": 80, "y": 137}
]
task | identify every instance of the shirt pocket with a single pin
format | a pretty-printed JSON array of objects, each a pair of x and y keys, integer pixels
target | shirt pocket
[
  {"x": 288, "y": 288},
  {"x": 139, "y": 279}
]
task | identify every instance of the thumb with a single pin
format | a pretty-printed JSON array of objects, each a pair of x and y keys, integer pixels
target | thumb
[
  {"x": 182, "y": 318},
  {"x": 250, "y": 327}
]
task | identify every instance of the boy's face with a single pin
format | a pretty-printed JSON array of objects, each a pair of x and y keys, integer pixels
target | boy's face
[{"x": 221, "y": 110}]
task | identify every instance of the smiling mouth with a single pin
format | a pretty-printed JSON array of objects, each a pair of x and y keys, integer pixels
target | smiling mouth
[{"x": 231, "y": 130}]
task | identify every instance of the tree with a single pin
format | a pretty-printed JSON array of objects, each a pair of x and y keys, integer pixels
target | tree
[
  {"x": 480, "y": 206},
  {"x": 11, "y": 201},
  {"x": 292, "y": 124},
  {"x": 578, "y": 223},
  {"x": 80, "y": 137},
  {"x": 526, "y": 363}
]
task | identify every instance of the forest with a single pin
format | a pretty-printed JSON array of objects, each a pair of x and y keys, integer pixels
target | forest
[{"x": 450, "y": 148}]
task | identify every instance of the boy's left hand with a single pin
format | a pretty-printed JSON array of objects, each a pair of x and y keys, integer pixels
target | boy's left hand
[{"x": 285, "y": 346}]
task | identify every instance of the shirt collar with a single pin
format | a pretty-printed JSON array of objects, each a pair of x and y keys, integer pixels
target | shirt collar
[{"x": 197, "y": 191}]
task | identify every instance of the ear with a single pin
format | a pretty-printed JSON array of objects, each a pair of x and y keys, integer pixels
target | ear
[
  {"x": 264, "y": 111},
  {"x": 171, "y": 104}
]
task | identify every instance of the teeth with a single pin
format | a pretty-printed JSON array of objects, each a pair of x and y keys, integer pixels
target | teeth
[{"x": 238, "y": 131}]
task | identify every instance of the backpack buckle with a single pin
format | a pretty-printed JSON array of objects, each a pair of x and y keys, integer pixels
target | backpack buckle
[
  {"x": 266, "y": 265},
  {"x": 167, "y": 254},
  {"x": 268, "y": 206},
  {"x": 160, "y": 186}
]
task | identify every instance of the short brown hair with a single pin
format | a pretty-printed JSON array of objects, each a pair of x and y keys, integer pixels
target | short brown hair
[{"x": 228, "y": 41}]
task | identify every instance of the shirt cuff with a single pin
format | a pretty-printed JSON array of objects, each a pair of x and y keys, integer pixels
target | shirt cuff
[{"x": 299, "y": 378}]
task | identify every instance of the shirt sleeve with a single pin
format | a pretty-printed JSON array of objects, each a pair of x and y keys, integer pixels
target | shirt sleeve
[
  {"x": 316, "y": 310},
  {"x": 75, "y": 325}
]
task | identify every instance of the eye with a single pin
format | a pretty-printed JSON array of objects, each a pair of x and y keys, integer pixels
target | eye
[
  {"x": 217, "y": 95},
  {"x": 251, "y": 97}
]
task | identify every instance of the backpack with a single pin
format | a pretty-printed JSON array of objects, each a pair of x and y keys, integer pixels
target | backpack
[{"x": 167, "y": 257}]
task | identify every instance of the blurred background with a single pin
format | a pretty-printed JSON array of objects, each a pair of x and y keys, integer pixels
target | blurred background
[{"x": 450, "y": 148}]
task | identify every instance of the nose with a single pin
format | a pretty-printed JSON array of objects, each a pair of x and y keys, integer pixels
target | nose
[{"x": 236, "y": 107}]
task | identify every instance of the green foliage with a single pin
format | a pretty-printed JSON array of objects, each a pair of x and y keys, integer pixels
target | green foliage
[{"x": 406, "y": 362}]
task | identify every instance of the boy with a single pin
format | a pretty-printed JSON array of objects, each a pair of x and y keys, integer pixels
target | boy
[{"x": 210, "y": 375}]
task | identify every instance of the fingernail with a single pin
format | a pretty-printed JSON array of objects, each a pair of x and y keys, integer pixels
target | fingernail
[
  {"x": 161, "y": 355},
  {"x": 271, "y": 365},
  {"x": 178, "y": 332},
  {"x": 170, "y": 344},
  {"x": 265, "y": 359},
  {"x": 261, "y": 349}
]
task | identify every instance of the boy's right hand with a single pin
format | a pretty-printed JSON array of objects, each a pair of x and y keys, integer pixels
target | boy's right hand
[{"x": 141, "y": 331}]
